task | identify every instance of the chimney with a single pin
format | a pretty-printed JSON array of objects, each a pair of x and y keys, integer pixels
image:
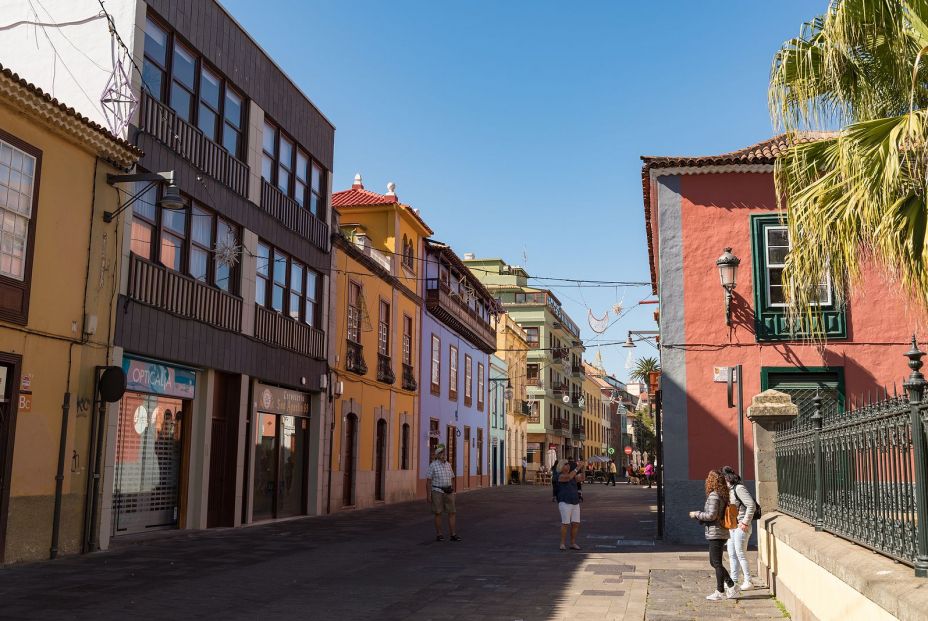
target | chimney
[{"x": 357, "y": 185}]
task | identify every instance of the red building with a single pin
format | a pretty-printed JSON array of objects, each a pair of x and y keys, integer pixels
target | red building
[{"x": 695, "y": 208}]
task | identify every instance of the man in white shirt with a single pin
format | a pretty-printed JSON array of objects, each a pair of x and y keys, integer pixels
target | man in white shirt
[
  {"x": 524, "y": 467},
  {"x": 439, "y": 482}
]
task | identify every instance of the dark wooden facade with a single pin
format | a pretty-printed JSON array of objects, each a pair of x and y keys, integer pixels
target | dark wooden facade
[{"x": 169, "y": 316}]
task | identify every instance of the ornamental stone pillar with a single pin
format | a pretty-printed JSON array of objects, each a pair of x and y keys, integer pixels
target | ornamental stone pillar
[{"x": 767, "y": 411}]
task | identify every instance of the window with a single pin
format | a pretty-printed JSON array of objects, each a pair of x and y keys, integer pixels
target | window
[
  {"x": 383, "y": 330},
  {"x": 354, "y": 312},
  {"x": 771, "y": 245},
  {"x": 174, "y": 73},
  {"x": 19, "y": 166},
  {"x": 453, "y": 372},
  {"x": 531, "y": 334},
  {"x": 532, "y": 374},
  {"x": 184, "y": 240},
  {"x": 480, "y": 386},
  {"x": 404, "y": 447},
  {"x": 407, "y": 340},
  {"x": 408, "y": 254},
  {"x": 287, "y": 286},
  {"x": 468, "y": 380},
  {"x": 436, "y": 364},
  {"x": 292, "y": 170}
]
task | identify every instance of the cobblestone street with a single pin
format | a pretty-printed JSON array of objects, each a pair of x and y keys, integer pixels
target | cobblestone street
[{"x": 384, "y": 564}]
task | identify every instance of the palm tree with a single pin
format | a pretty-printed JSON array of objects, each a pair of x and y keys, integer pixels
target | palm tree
[
  {"x": 643, "y": 368},
  {"x": 860, "y": 193}
]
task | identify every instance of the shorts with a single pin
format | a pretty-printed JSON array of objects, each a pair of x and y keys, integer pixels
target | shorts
[
  {"x": 442, "y": 502},
  {"x": 569, "y": 513}
]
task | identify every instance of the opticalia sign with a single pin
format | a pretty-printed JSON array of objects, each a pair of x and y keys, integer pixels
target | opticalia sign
[{"x": 159, "y": 378}]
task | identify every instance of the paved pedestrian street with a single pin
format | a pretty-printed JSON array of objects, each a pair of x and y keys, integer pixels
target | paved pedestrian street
[{"x": 384, "y": 563}]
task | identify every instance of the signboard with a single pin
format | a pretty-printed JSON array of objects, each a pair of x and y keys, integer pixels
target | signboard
[
  {"x": 159, "y": 378},
  {"x": 720, "y": 375},
  {"x": 25, "y": 381},
  {"x": 611, "y": 451},
  {"x": 628, "y": 450},
  {"x": 25, "y": 403},
  {"x": 276, "y": 400}
]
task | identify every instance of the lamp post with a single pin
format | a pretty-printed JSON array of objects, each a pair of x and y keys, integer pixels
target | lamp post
[{"x": 728, "y": 274}]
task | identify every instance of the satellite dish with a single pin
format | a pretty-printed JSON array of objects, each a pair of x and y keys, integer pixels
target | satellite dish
[
  {"x": 112, "y": 384},
  {"x": 566, "y": 398}
]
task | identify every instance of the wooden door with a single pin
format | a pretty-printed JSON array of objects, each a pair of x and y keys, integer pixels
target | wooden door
[
  {"x": 380, "y": 461},
  {"x": 348, "y": 463},
  {"x": 223, "y": 447},
  {"x": 466, "y": 456}
]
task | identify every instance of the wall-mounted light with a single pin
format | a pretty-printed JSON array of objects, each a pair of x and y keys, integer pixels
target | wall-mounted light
[
  {"x": 728, "y": 275},
  {"x": 170, "y": 195}
]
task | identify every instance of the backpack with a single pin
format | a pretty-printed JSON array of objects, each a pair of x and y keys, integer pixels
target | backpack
[
  {"x": 729, "y": 517},
  {"x": 757, "y": 511}
]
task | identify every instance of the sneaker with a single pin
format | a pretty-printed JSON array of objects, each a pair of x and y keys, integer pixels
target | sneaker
[
  {"x": 747, "y": 585},
  {"x": 732, "y": 592},
  {"x": 715, "y": 597}
]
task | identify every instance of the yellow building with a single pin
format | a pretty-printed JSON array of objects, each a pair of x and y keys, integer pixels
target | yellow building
[
  {"x": 57, "y": 277},
  {"x": 375, "y": 332},
  {"x": 595, "y": 412},
  {"x": 512, "y": 346}
]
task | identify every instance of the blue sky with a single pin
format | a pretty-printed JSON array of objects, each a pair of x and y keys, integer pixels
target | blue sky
[{"x": 516, "y": 126}]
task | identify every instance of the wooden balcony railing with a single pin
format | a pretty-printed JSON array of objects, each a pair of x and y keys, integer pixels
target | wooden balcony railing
[
  {"x": 451, "y": 310},
  {"x": 385, "y": 369},
  {"x": 579, "y": 432},
  {"x": 289, "y": 213},
  {"x": 162, "y": 123},
  {"x": 278, "y": 329},
  {"x": 158, "y": 286}
]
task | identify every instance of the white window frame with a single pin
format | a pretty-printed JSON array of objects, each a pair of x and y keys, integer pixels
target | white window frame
[
  {"x": 22, "y": 210},
  {"x": 768, "y": 265}
]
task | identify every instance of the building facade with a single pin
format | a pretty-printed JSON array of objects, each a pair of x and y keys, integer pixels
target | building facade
[
  {"x": 596, "y": 423},
  {"x": 554, "y": 370},
  {"x": 376, "y": 323},
  {"x": 499, "y": 410},
  {"x": 223, "y": 276},
  {"x": 458, "y": 335},
  {"x": 695, "y": 208},
  {"x": 56, "y": 316},
  {"x": 512, "y": 347}
]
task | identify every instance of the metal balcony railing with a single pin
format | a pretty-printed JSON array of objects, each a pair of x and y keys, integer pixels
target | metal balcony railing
[
  {"x": 354, "y": 358},
  {"x": 385, "y": 369}
]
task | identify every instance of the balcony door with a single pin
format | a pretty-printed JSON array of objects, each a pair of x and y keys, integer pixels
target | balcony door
[{"x": 467, "y": 457}]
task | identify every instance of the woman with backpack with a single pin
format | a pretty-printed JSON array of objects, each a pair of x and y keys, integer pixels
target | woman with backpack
[
  {"x": 741, "y": 534},
  {"x": 711, "y": 517}
]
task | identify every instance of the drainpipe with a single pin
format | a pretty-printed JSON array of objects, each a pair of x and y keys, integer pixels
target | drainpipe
[
  {"x": 328, "y": 491},
  {"x": 62, "y": 447}
]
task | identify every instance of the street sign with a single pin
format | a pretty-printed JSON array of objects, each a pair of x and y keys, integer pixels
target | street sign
[
  {"x": 611, "y": 450},
  {"x": 628, "y": 450}
]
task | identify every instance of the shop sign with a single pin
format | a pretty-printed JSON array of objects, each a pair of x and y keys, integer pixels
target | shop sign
[
  {"x": 159, "y": 379},
  {"x": 25, "y": 403},
  {"x": 274, "y": 400}
]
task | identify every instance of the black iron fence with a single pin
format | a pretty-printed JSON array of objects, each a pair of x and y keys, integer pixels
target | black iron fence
[{"x": 862, "y": 473}]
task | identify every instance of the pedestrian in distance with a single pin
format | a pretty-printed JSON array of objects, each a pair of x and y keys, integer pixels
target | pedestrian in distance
[
  {"x": 612, "y": 472},
  {"x": 440, "y": 483},
  {"x": 568, "y": 503},
  {"x": 739, "y": 536},
  {"x": 648, "y": 473},
  {"x": 555, "y": 473},
  {"x": 524, "y": 468},
  {"x": 711, "y": 517}
]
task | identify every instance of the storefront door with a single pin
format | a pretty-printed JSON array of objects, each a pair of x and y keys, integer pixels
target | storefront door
[
  {"x": 280, "y": 466},
  {"x": 149, "y": 441}
]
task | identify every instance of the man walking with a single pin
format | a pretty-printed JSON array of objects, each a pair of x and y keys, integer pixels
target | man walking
[
  {"x": 440, "y": 485},
  {"x": 612, "y": 471},
  {"x": 524, "y": 467}
]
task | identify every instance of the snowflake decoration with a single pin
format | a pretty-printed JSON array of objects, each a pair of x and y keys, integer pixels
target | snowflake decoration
[{"x": 227, "y": 253}]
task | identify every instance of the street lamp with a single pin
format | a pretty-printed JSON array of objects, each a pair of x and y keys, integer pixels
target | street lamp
[
  {"x": 509, "y": 392},
  {"x": 170, "y": 196},
  {"x": 728, "y": 273},
  {"x": 630, "y": 344}
]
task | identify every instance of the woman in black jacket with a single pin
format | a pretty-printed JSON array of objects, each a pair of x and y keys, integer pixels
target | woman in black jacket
[{"x": 711, "y": 518}]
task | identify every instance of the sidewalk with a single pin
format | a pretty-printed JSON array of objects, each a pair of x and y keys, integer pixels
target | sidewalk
[{"x": 384, "y": 563}]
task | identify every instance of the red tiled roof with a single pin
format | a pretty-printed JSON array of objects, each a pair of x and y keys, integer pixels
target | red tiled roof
[
  {"x": 69, "y": 111},
  {"x": 357, "y": 196},
  {"x": 764, "y": 152}
]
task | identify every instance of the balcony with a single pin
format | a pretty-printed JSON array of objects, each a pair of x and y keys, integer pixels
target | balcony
[
  {"x": 526, "y": 408},
  {"x": 354, "y": 359},
  {"x": 561, "y": 389},
  {"x": 159, "y": 120},
  {"x": 562, "y": 426},
  {"x": 170, "y": 291},
  {"x": 577, "y": 370},
  {"x": 409, "y": 378},
  {"x": 533, "y": 381},
  {"x": 452, "y": 311},
  {"x": 579, "y": 432},
  {"x": 289, "y": 213},
  {"x": 278, "y": 329},
  {"x": 385, "y": 369}
]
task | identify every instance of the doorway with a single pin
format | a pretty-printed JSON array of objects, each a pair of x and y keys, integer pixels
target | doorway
[
  {"x": 280, "y": 464},
  {"x": 348, "y": 464},
  {"x": 467, "y": 457},
  {"x": 7, "y": 434},
  {"x": 381, "y": 457},
  {"x": 223, "y": 448},
  {"x": 494, "y": 466}
]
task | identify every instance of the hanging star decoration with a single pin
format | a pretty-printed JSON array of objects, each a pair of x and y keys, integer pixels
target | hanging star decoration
[
  {"x": 117, "y": 100},
  {"x": 227, "y": 252}
]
